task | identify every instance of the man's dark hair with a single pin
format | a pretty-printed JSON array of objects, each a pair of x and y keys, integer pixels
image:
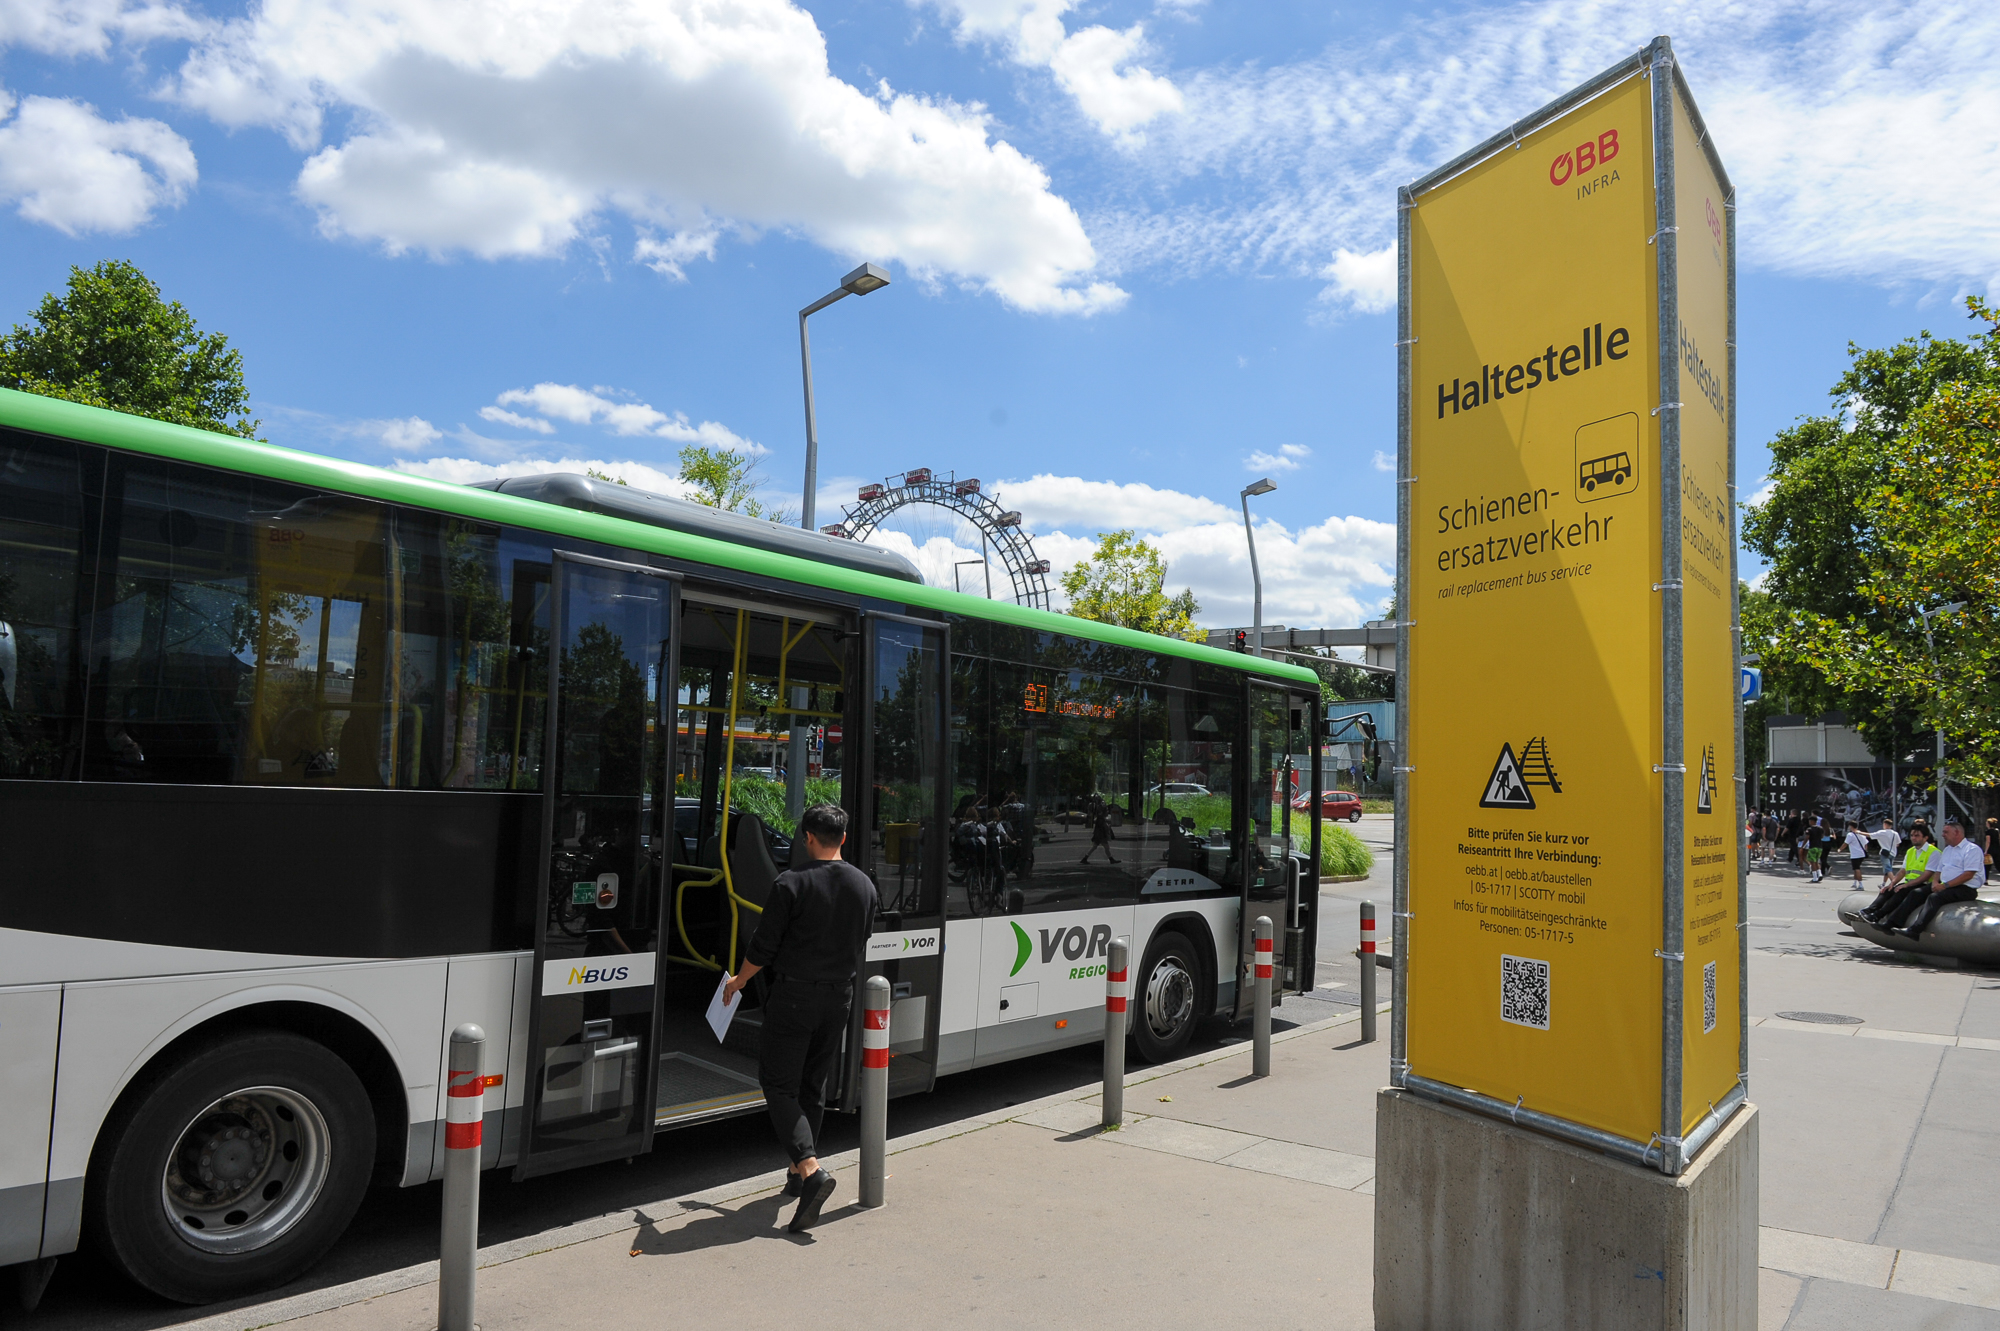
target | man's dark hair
[{"x": 825, "y": 822}]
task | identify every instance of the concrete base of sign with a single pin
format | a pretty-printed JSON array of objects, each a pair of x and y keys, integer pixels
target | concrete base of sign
[{"x": 1481, "y": 1224}]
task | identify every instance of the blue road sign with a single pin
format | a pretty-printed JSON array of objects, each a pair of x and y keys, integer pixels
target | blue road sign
[{"x": 1753, "y": 683}]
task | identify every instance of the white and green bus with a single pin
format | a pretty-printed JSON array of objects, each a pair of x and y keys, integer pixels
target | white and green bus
[{"x": 304, "y": 763}]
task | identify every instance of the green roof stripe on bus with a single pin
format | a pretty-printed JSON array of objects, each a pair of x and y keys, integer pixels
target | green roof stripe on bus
[{"x": 140, "y": 434}]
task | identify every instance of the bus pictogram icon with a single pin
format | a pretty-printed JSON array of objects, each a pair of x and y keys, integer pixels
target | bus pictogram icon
[{"x": 1607, "y": 458}]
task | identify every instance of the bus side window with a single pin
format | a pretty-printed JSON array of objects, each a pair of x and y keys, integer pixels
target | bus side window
[
  {"x": 41, "y": 557},
  {"x": 255, "y": 633}
]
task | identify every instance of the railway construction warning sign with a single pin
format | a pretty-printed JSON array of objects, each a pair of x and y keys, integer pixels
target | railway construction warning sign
[{"x": 1569, "y": 579}]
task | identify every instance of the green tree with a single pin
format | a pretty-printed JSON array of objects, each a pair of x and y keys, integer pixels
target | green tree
[
  {"x": 1932, "y": 524},
  {"x": 111, "y": 341},
  {"x": 1820, "y": 533},
  {"x": 725, "y": 479},
  {"x": 1125, "y": 582}
]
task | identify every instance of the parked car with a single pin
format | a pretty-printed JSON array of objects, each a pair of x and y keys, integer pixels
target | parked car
[
  {"x": 1177, "y": 788},
  {"x": 1335, "y": 804}
]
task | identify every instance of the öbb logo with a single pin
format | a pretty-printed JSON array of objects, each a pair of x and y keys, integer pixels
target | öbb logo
[
  {"x": 1586, "y": 156},
  {"x": 599, "y": 974}
]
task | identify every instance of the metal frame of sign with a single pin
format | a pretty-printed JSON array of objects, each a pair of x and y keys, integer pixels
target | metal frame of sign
[{"x": 1669, "y": 1150}]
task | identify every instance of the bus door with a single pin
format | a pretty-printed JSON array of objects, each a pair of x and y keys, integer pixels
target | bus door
[
  {"x": 761, "y": 688},
  {"x": 593, "y": 1018},
  {"x": 1270, "y": 881},
  {"x": 897, "y": 837}
]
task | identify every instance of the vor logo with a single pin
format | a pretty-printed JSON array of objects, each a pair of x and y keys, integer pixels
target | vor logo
[
  {"x": 1507, "y": 788},
  {"x": 1074, "y": 943}
]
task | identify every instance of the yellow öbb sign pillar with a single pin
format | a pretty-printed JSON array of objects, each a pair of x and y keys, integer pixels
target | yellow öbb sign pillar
[{"x": 1571, "y": 887}]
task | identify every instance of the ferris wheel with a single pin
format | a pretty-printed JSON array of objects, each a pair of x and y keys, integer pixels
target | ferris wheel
[{"x": 1000, "y": 530}]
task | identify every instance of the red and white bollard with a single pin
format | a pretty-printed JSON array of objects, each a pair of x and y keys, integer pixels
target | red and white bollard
[
  {"x": 874, "y": 1089},
  {"x": 1367, "y": 971},
  {"x": 1260, "y": 1006},
  {"x": 464, "y": 1110},
  {"x": 1117, "y": 998}
]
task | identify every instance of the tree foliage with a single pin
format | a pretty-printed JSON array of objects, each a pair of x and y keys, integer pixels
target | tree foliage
[
  {"x": 1125, "y": 582},
  {"x": 722, "y": 478},
  {"x": 111, "y": 341},
  {"x": 1876, "y": 516}
]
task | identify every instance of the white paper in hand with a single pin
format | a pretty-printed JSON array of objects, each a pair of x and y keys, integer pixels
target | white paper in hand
[{"x": 722, "y": 1009}]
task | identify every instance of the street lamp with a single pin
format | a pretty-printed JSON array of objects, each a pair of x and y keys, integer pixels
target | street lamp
[
  {"x": 1925, "y": 615},
  {"x": 1262, "y": 487},
  {"x": 860, "y": 282}
]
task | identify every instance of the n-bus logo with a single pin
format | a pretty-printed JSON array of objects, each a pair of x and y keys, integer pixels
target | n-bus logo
[{"x": 1584, "y": 158}]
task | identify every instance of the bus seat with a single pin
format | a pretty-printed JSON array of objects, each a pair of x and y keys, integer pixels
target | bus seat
[{"x": 751, "y": 864}]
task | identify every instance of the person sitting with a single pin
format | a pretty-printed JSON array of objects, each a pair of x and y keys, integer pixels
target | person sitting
[
  {"x": 1906, "y": 881},
  {"x": 1957, "y": 871}
]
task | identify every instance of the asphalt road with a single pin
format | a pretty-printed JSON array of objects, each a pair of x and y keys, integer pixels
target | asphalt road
[{"x": 397, "y": 1227}]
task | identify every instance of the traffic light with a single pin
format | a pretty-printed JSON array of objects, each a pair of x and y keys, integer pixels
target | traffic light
[
  {"x": 1242, "y": 640},
  {"x": 1371, "y": 753}
]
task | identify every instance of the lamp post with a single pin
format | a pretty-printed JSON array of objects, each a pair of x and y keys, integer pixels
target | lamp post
[
  {"x": 1925, "y": 615},
  {"x": 860, "y": 282},
  {"x": 1262, "y": 487}
]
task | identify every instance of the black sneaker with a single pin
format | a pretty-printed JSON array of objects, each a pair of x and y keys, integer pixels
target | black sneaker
[
  {"x": 812, "y": 1196},
  {"x": 791, "y": 1184}
]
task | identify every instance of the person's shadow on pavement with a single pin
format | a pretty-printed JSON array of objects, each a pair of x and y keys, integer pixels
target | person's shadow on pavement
[{"x": 760, "y": 1219}]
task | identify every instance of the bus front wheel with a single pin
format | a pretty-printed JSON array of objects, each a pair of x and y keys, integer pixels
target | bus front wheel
[
  {"x": 234, "y": 1170},
  {"x": 1165, "y": 1003}
]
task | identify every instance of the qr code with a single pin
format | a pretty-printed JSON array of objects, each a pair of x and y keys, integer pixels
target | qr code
[
  {"x": 1524, "y": 992},
  {"x": 1708, "y": 998}
]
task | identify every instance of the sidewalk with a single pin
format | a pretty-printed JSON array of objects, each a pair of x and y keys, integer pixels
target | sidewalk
[{"x": 1222, "y": 1196}]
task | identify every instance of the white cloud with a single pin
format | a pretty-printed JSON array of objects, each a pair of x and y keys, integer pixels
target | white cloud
[
  {"x": 666, "y": 256},
  {"x": 585, "y": 406},
  {"x": 87, "y": 27},
  {"x": 1054, "y": 502},
  {"x": 1384, "y": 461},
  {"x": 514, "y": 129},
  {"x": 1098, "y": 66},
  {"x": 1289, "y": 457},
  {"x": 406, "y": 432},
  {"x": 501, "y": 416},
  {"x": 69, "y": 168},
  {"x": 1363, "y": 282},
  {"x": 464, "y": 471},
  {"x": 1863, "y": 136}
]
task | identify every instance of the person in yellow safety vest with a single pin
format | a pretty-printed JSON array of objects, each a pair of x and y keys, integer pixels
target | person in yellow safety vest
[{"x": 1912, "y": 878}]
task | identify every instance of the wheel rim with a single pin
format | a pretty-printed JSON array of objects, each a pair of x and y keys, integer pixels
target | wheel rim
[
  {"x": 1169, "y": 998},
  {"x": 246, "y": 1169}
]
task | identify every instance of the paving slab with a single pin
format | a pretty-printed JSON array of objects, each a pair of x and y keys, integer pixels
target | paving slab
[
  {"x": 1830, "y": 1305},
  {"x": 1839, "y": 1118},
  {"x": 1314, "y": 1095},
  {"x": 1195, "y": 1141},
  {"x": 1001, "y": 1228},
  {"x": 1807, "y": 1255},
  {"x": 1946, "y": 1201},
  {"x": 1897, "y": 997},
  {"x": 1313, "y": 1164}
]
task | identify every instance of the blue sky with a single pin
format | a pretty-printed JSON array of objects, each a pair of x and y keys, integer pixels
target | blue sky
[{"x": 1141, "y": 251}]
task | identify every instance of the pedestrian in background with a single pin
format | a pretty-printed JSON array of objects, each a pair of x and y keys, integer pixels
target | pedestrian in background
[
  {"x": 1992, "y": 843},
  {"x": 811, "y": 935},
  {"x": 1891, "y": 842},
  {"x": 1857, "y": 850},
  {"x": 1815, "y": 838}
]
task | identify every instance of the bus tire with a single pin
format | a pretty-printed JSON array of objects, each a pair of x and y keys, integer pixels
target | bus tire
[
  {"x": 233, "y": 1170},
  {"x": 1165, "y": 1002}
]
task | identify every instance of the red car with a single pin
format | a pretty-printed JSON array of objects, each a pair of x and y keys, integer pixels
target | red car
[{"x": 1333, "y": 804}]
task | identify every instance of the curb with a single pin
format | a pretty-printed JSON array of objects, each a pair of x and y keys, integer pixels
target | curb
[{"x": 254, "y": 1316}]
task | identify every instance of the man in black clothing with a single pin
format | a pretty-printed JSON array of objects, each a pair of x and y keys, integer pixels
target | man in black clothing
[{"x": 814, "y": 927}]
